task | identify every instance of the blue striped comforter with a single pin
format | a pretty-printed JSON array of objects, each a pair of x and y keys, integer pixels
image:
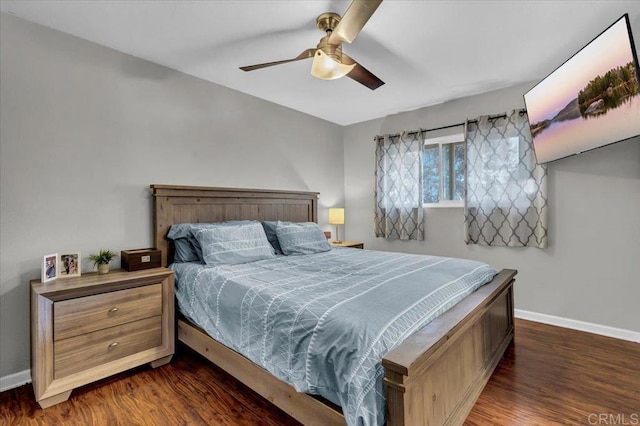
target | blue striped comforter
[{"x": 322, "y": 322}]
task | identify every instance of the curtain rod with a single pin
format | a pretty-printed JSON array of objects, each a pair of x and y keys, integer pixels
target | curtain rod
[{"x": 491, "y": 117}]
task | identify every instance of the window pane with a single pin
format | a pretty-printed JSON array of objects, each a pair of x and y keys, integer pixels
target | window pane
[
  {"x": 458, "y": 171},
  {"x": 453, "y": 171},
  {"x": 447, "y": 182},
  {"x": 444, "y": 172},
  {"x": 431, "y": 174}
]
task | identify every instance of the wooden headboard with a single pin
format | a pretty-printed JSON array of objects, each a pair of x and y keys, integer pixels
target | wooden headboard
[{"x": 198, "y": 204}]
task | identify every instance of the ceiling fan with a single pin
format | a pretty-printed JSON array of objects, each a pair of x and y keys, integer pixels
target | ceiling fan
[{"x": 329, "y": 62}]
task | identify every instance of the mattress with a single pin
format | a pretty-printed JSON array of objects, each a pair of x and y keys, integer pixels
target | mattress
[{"x": 322, "y": 322}]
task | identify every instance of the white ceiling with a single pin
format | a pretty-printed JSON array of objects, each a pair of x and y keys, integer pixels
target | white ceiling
[{"x": 427, "y": 52}]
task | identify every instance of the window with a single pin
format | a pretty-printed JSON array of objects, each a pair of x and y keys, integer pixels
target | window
[{"x": 443, "y": 166}]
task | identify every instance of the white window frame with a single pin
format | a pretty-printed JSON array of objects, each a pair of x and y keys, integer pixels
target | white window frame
[{"x": 443, "y": 140}]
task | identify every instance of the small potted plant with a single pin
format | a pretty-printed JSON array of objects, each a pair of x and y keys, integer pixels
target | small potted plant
[{"x": 102, "y": 259}]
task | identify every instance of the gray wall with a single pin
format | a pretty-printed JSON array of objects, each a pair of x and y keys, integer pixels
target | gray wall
[
  {"x": 590, "y": 271},
  {"x": 84, "y": 130}
]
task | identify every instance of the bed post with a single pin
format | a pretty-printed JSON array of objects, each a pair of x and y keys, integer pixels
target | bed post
[{"x": 161, "y": 225}]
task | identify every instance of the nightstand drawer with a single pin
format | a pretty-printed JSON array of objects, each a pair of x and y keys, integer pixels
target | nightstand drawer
[
  {"x": 89, "y": 350},
  {"x": 74, "y": 317}
]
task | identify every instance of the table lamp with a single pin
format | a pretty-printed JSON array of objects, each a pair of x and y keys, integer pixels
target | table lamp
[{"x": 336, "y": 217}]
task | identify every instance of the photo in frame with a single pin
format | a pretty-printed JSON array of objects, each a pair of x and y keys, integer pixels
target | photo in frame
[
  {"x": 49, "y": 267},
  {"x": 69, "y": 264}
]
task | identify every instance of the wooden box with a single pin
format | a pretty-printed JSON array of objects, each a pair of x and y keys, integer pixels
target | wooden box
[{"x": 137, "y": 259}]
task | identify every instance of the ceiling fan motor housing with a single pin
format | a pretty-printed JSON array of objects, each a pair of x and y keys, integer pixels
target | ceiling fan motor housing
[{"x": 327, "y": 22}]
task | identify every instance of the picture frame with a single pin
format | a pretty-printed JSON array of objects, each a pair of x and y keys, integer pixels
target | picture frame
[
  {"x": 69, "y": 264},
  {"x": 49, "y": 267}
]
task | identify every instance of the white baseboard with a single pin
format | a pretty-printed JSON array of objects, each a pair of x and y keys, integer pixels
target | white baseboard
[
  {"x": 15, "y": 380},
  {"x": 603, "y": 330}
]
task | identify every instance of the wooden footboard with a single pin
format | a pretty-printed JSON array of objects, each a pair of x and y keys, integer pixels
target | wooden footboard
[{"x": 435, "y": 377}]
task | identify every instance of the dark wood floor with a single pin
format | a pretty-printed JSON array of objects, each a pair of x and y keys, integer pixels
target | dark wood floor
[{"x": 550, "y": 376}]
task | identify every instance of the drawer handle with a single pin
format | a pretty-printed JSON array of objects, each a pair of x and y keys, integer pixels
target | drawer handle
[
  {"x": 113, "y": 310},
  {"x": 113, "y": 345}
]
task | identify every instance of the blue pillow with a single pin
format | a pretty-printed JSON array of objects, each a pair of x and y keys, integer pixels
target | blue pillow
[
  {"x": 301, "y": 238},
  {"x": 229, "y": 244},
  {"x": 184, "y": 251},
  {"x": 185, "y": 230},
  {"x": 180, "y": 230},
  {"x": 270, "y": 230},
  {"x": 187, "y": 247}
]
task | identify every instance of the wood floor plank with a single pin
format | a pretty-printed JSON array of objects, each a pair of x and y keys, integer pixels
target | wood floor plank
[
  {"x": 550, "y": 376},
  {"x": 553, "y": 375}
]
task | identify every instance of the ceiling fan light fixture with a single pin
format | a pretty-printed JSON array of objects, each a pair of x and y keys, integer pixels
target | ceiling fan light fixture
[
  {"x": 327, "y": 68},
  {"x": 329, "y": 63}
]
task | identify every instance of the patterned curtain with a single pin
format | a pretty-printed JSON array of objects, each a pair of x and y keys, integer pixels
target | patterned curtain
[
  {"x": 506, "y": 196},
  {"x": 399, "y": 213}
]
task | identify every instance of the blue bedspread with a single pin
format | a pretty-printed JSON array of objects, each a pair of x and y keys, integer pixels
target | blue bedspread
[{"x": 322, "y": 322}]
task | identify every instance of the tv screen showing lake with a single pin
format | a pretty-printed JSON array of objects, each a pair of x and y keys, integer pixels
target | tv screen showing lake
[
  {"x": 564, "y": 138},
  {"x": 591, "y": 100}
]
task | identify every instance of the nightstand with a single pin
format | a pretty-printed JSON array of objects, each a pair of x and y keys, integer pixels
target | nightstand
[
  {"x": 93, "y": 326},
  {"x": 352, "y": 244}
]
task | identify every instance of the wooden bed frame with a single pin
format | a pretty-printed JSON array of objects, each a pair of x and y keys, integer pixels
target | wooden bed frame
[{"x": 433, "y": 378}]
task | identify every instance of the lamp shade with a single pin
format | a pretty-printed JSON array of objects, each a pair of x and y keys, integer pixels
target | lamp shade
[
  {"x": 336, "y": 216},
  {"x": 327, "y": 68}
]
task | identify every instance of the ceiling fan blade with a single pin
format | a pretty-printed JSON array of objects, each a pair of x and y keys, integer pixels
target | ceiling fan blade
[
  {"x": 304, "y": 55},
  {"x": 353, "y": 21},
  {"x": 361, "y": 74}
]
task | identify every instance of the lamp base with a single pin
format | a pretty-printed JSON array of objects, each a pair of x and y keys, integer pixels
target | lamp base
[{"x": 337, "y": 242}]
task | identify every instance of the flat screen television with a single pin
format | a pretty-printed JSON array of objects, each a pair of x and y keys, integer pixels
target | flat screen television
[{"x": 591, "y": 100}]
